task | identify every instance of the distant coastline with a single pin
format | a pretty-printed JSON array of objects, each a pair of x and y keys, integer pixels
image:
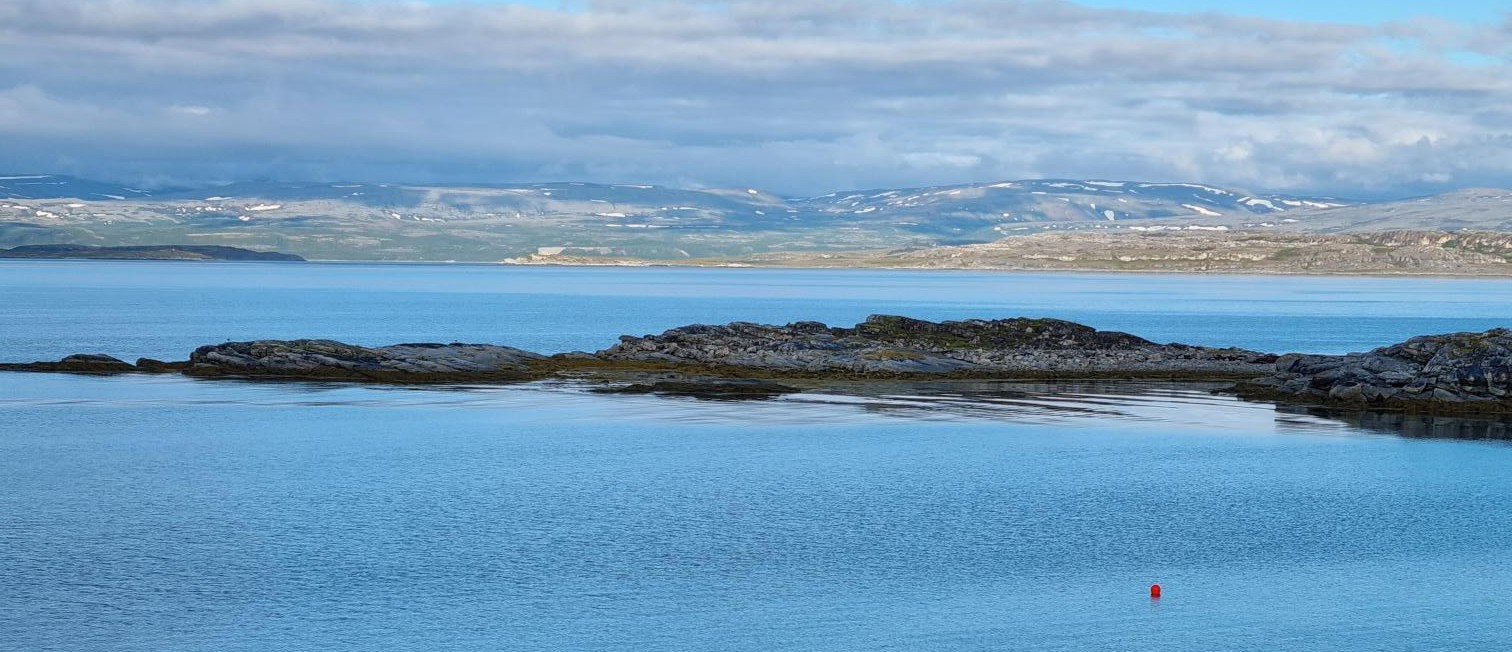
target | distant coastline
[
  {"x": 1030, "y": 225},
  {"x": 1391, "y": 253},
  {"x": 145, "y": 252},
  {"x": 922, "y": 268},
  {"x": 1383, "y": 254}
]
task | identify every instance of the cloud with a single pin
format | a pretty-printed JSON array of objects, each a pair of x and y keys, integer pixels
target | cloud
[
  {"x": 192, "y": 110},
  {"x": 797, "y": 96}
]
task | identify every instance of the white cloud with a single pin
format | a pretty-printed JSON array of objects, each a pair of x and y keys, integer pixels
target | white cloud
[
  {"x": 796, "y": 96},
  {"x": 193, "y": 110}
]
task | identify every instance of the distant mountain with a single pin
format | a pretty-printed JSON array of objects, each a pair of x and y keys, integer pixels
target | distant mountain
[
  {"x": 1475, "y": 209},
  {"x": 53, "y": 186},
  {"x": 495, "y": 222},
  {"x": 1256, "y": 252},
  {"x": 1064, "y": 200},
  {"x": 150, "y": 252}
]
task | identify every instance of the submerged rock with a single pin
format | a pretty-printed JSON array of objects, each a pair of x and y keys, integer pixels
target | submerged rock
[
  {"x": 1455, "y": 372},
  {"x": 337, "y": 360},
  {"x": 899, "y": 346}
]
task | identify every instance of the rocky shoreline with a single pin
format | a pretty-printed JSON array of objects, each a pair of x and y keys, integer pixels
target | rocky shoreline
[
  {"x": 1450, "y": 373},
  {"x": 1438, "y": 374}
]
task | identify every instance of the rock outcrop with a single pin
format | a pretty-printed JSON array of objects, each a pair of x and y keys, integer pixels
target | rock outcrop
[
  {"x": 1457, "y": 373},
  {"x": 1453, "y": 373},
  {"x": 885, "y": 346},
  {"x": 78, "y": 363},
  {"x": 326, "y": 359}
]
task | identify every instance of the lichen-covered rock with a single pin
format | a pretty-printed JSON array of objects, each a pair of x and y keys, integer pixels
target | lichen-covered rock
[
  {"x": 897, "y": 346},
  {"x": 337, "y": 360},
  {"x": 1455, "y": 372}
]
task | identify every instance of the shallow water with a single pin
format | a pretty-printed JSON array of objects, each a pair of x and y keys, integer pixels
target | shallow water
[{"x": 162, "y": 513}]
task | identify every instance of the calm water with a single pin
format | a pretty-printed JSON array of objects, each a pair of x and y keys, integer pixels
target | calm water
[
  {"x": 160, "y": 513},
  {"x": 164, "y": 310}
]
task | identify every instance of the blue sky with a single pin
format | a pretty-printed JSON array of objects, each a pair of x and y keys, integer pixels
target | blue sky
[{"x": 793, "y": 96}]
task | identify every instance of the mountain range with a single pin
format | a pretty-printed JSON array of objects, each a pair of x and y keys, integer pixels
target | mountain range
[{"x": 389, "y": 221}]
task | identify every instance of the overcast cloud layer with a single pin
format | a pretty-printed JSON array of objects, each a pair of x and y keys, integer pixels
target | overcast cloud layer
[{"x": 794, "y": 96}]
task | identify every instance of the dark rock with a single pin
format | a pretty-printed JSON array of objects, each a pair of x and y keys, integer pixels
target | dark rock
[
  {"x": 1451, "y": 373},
  {"x": 151, "y": 366},
  {"x": 93, "y": 358},
  {"x": 78, "y": 363},
  {"x": 327, "y": 359},
  {"x": 890, "y": 346},
  {"x": 1042, "y": 334},
  {"x": 1347, "y": 392}
]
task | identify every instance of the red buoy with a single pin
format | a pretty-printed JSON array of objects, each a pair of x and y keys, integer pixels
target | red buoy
[{"x": 1155, "y": 590}]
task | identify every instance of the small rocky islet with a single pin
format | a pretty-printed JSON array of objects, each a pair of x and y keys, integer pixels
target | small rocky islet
[{"x": 1435, "y": 374}]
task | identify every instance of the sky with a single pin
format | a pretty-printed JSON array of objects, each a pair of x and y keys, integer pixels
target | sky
[
  {"x": 797, "y": 97},
  {"x": 1339, "y": 11}
]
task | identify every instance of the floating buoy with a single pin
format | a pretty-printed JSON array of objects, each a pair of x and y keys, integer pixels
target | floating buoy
[{"x": 1155, "y": 590}]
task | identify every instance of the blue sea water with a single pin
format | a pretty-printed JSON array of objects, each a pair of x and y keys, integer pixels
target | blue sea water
[
  {"x": 130, "y": 309},
  {"x": 162, "y": 513}
]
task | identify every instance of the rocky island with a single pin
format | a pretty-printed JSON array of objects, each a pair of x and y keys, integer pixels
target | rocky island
[
  {"x": 886, "y": 346},
  {"x": 1438, "y": 374}
]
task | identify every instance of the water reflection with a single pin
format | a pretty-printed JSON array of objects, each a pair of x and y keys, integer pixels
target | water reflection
[
  {"x": 1416, "y": 426},
  {"x": 1144, "y": 402},
  {"x": 1186, "y": 403},
  {"x": 1039, "y": 401},
  {"x": 1153, "y": 405}
]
